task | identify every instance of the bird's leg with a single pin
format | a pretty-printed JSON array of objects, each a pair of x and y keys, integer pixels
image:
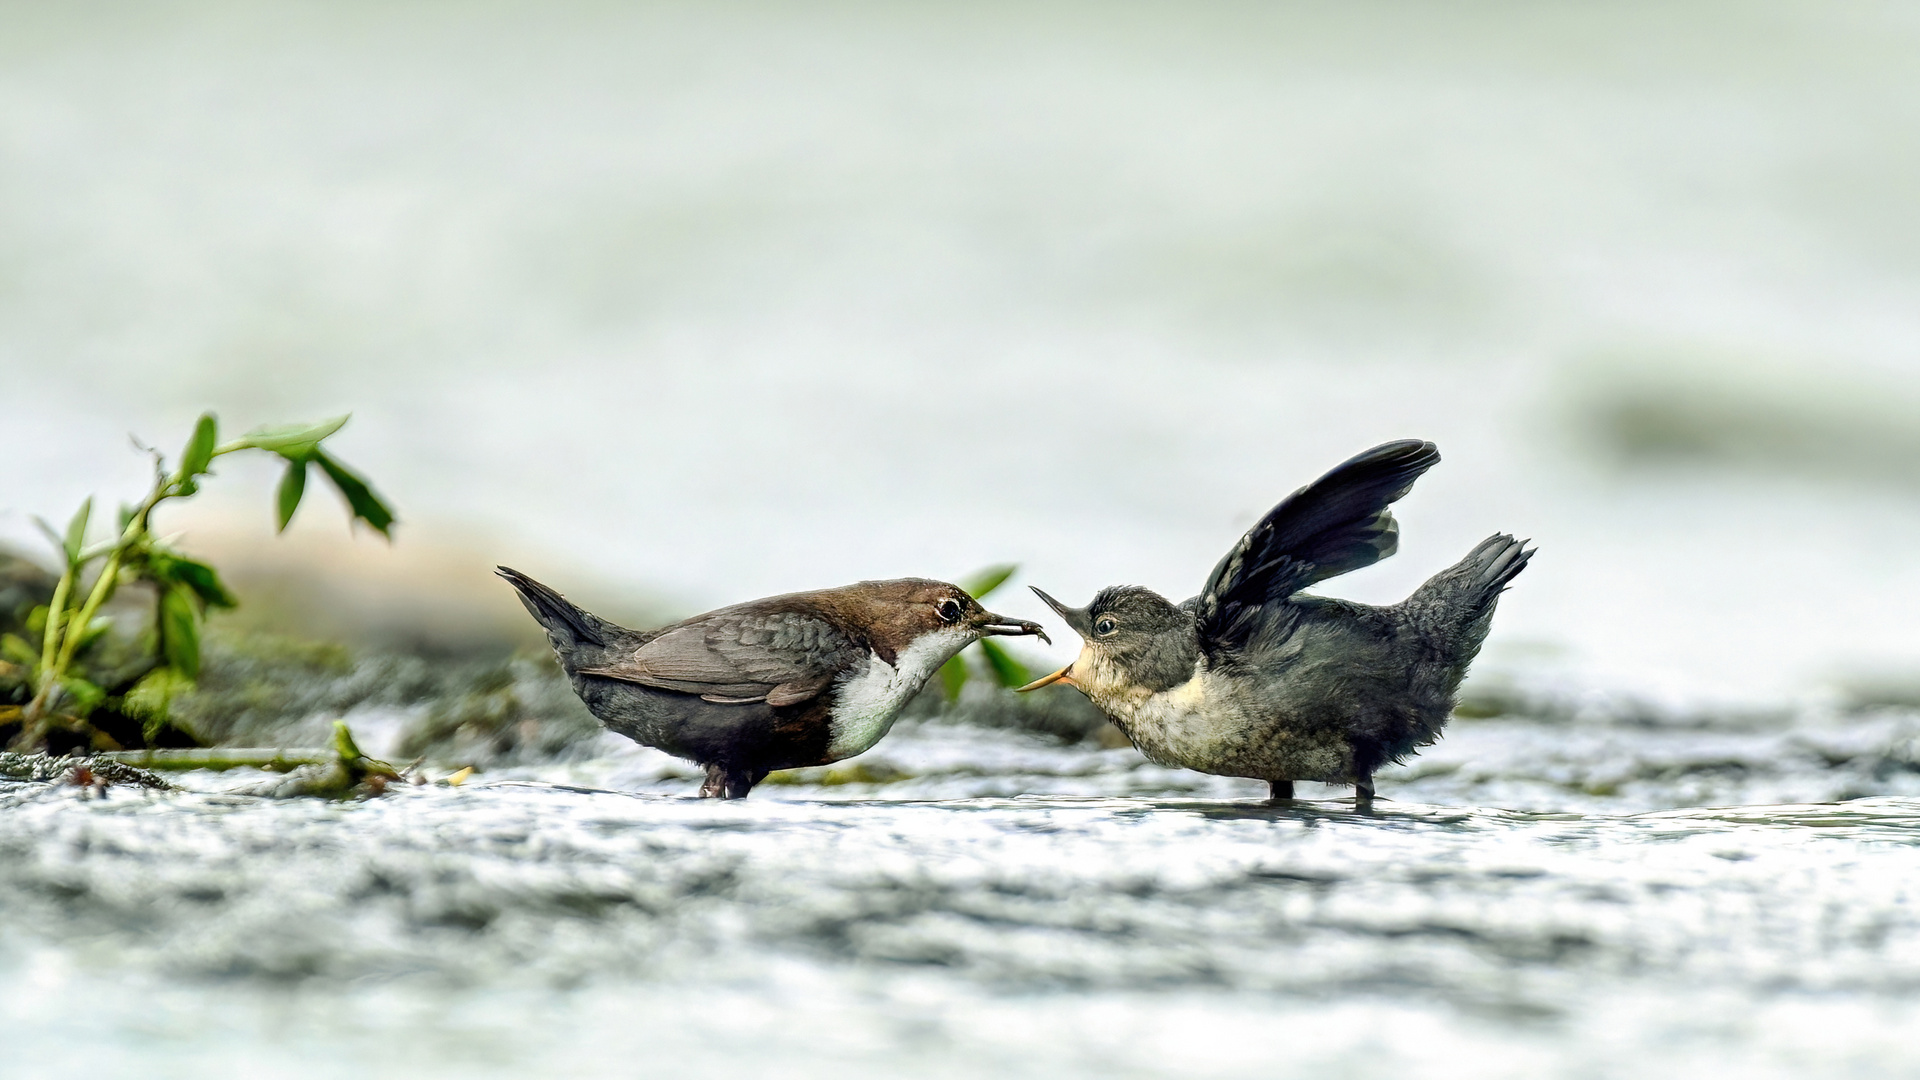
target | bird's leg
[
  {"x": 716, "y": 784},
  {"x": 1279, "y": 791},
  {"x": 739, "y": 782},
  {"x": 1363, "y": 792}
]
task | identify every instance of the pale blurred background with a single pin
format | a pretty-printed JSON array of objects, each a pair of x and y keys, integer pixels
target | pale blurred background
[{"x": 676, "y": 305}]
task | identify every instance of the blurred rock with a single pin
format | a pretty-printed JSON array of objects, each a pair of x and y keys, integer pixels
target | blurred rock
[
  {"x": 425, "y": 594},
  {"x": 24, "y": 585},
  {"x": 272, "y": 690},
  {"x": 1781, "y": 423}
]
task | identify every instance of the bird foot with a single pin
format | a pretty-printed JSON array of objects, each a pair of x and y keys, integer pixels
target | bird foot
[{"x": 724, "y": 783}]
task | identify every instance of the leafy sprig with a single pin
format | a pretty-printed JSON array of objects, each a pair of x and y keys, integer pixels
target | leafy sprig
[{"x": 186, "y": 588}]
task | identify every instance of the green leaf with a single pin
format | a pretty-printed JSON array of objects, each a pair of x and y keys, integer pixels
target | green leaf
[
  {"x": 1009, "y": 671},
  {"x": 343, "y": 743},
  {"x": 77, "y": 530},
  {"x": 198, "y": 454},
  {"x": 163, "y": 567},
  {"x": 358, "y": 768},
  {"x": 15, "y": 648},
  {"x": 83, "y": 696},
  {"x": 149, "y": 696},
  {"x": 151, "y": 699},
  {"x": 204, "y": 581},
  {"x": 360, "y": 498},
  {"x": 180, "y": 630},
  {"x": 75, "y": 537},
  {"x": 295, "y": 442},
  {"x": 985, "y": 581},
  {"x": 292, "y": 486},
  {"x": 953, "y": 676}
]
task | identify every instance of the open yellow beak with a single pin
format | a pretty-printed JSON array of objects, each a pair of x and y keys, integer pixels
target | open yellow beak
[{"x": 1049, "y": 680}]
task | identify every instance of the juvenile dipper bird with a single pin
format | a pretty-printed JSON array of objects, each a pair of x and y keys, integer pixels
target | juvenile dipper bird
[
  {"x": 1253, "y": 678},
  {"x": 802, "y": 679}
]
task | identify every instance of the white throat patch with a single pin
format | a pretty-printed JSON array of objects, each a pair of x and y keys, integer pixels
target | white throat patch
[{"x": 872, "y": 694}]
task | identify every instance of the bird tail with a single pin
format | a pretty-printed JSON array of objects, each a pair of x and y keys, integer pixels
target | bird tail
[
  {"x": 568, "y": 626},
  {"x": 1457, "y": 604},
  {"x": 1494, "y": 564}
]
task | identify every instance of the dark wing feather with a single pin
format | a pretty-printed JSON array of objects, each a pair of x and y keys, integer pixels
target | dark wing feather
[
  {"x": 1338, "y": 523},
  {"x": 740, "y": 658}
]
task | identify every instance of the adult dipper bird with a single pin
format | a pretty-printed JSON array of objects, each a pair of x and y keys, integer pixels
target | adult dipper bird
[
  {"x": 1253, "y": 678},
  {"x": 802, "y": 679}
]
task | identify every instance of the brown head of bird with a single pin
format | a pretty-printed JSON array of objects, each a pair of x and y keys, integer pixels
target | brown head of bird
[{"x": 894, "y": 616}]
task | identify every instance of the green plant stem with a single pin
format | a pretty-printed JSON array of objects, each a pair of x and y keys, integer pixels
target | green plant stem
[
  {"x": 50, "y": 633},
  {"x": 60, "y": 639},
  {"x": 62, "y": 636},
  {"x": 222, "y": 758},
  {"x": 76, "y": 629},
  {"x": 33, "y": 726}
]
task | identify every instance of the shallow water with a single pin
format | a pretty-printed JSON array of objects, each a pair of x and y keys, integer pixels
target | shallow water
[
  {"x": 1010, "y": 907},
  {"x": 728, "y": 299}
]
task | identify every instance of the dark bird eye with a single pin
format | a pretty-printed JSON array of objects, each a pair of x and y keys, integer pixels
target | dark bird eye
[
  {"x": 949, "y": 610},
  {"x": 1104, "y": 625}
]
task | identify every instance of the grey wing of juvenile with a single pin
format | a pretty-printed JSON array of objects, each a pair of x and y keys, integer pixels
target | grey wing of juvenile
[{"x": 1338, "y": 523}]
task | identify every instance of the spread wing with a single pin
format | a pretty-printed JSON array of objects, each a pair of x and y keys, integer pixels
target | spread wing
[
  {"x": 740, "y": 658},
  {"x": 1338, "y": 523}
]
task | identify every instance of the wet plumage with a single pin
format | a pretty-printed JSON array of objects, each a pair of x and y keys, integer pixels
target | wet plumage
[
  {"x": 1255, "y": 678},
  {"x": 802, "y": 679}
]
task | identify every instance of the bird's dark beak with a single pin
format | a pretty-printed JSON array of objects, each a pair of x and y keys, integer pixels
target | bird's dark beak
[
  {"x": 992, "y": 625},
  {"x": 1076, "y": 617}
]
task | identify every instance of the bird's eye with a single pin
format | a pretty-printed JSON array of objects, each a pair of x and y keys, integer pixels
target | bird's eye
[
  {"x": 949, "y": 610},
  {"x": 1104, "y": 625}
]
